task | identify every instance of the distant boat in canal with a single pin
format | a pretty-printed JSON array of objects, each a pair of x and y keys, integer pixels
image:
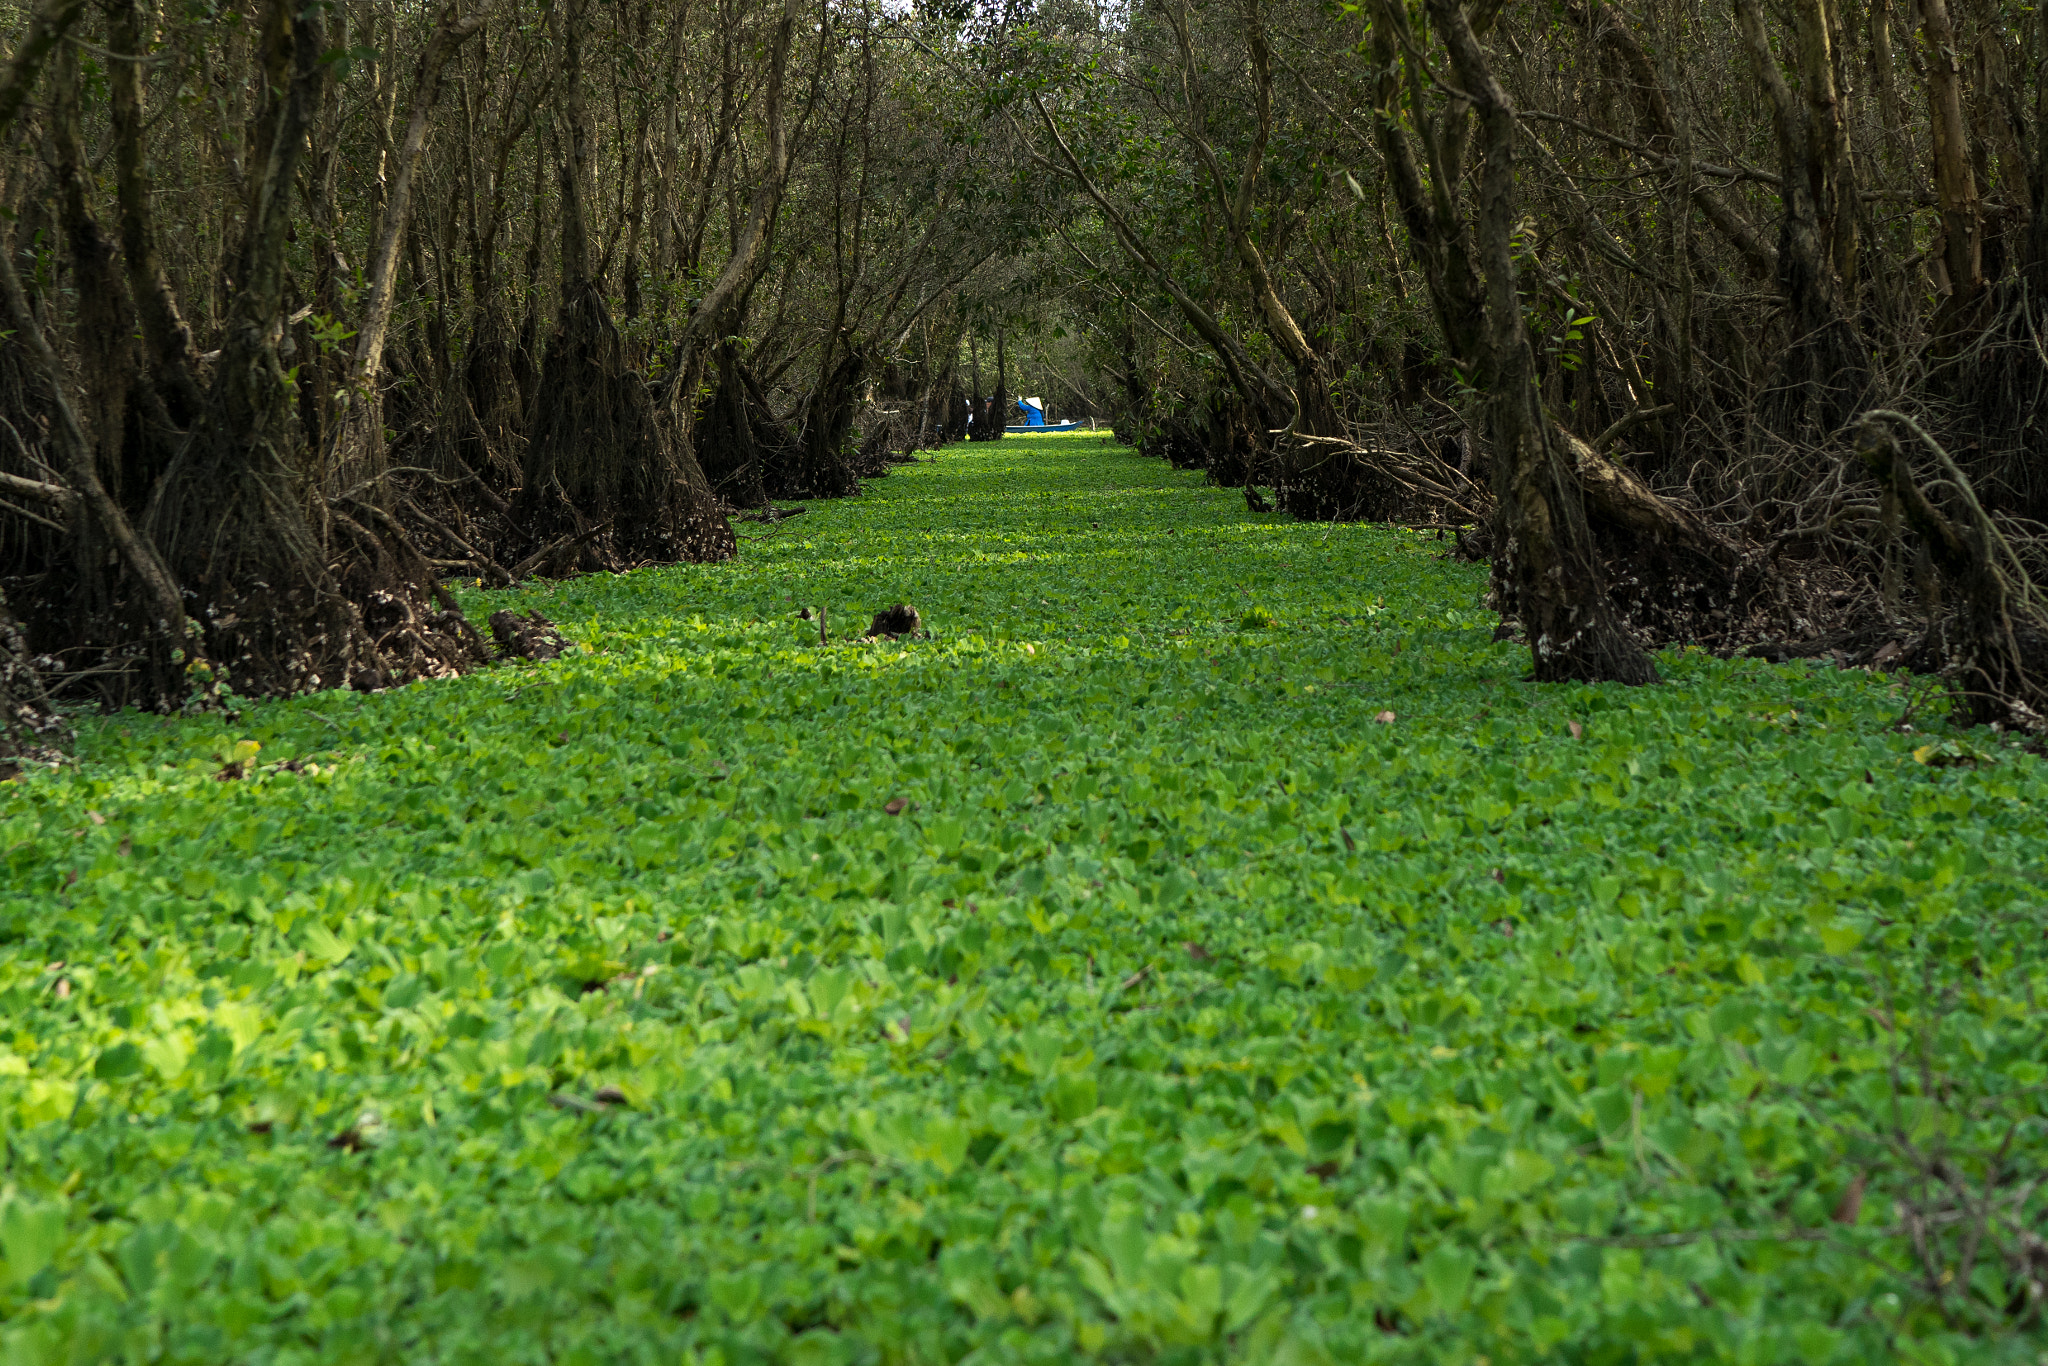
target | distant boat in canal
[{"x": 1034, "y": 419}]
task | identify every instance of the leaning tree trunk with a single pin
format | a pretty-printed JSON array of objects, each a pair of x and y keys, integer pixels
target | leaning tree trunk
[
  {"x": 104, "y": 592},
  {"x": 359, "y": 451},
  {"x": 1316, "y": 475},
  {"x": 1549, "y": 576},
  {"x": 84, "y": 502},
  {"x": 81, "y": 607},
  {"x": 105, "y": 325},
  {"x": 718, "y": 313}
]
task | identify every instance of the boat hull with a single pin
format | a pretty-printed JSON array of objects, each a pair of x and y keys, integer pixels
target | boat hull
[{"x": 1048, "y": 427}]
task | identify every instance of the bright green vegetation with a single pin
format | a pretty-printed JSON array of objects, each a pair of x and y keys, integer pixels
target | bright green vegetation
[{"x": 1182, "y": 1011}]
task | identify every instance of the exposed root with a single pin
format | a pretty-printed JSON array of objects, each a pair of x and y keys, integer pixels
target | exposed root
[
  {"x": 739, "y": 440},
  {"x": 1675, "y": 578},
  {"x": 891, "y": 622},
  {"x": 30, "y": 727},
  {"x": 597, "y": 455},
  {"x": 1993, "y": 641},
  {"x": 1380, "y": 484},
  {"x": 531, "y": 636},
  {"x": 823, "y": 469}
]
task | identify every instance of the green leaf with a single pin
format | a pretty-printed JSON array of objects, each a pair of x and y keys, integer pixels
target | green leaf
[
  {"x": 121, "y": 1061},
  {"x": 31, "y": 1232},
  {"x": 1839, "y": 936},
  {"x": 1072, "y": 1097},
  {"x": 1447, "y": 1274}
]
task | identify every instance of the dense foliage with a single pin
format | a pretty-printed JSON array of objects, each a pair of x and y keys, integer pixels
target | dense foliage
[{"x": 1203, "y": 945}]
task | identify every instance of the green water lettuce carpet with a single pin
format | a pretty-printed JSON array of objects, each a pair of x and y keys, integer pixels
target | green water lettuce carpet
[{"x": 1203, "y": 947}]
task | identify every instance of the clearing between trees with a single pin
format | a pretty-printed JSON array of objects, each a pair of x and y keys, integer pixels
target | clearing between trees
[{"x": 1200, "y": 945}]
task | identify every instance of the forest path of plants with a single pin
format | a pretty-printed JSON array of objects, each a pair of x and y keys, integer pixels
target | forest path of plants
[{"x": 1097, "y": 977}]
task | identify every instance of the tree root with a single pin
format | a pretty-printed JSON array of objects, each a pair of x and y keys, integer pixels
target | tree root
[
  {"x": 30, "y": 727},
  {"x": 1994, "y": 639}
]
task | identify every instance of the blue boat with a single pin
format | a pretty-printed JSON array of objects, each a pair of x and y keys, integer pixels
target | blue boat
[{"x": 1034, "y": 419}]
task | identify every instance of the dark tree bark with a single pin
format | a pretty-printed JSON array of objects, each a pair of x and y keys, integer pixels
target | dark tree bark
[
  {"x": 30, "y": 728},
  {"x": 48, "y": 22},
  {"x": 728, "y": 435},
  {"x": 1439, "y": 237},
  {"x": 999, "y": 416},
  {"x": 1825, "y": 370},
  {"x": 166, "y": 338},
  {"x": 823, "y": 471},
  {"x": 113, "y": 560},
  {"x": 361, "y": 439},
  {"x": 718, "y": 314},
  {"x": 293, "y": 592},
  {"x": 597, "y": 457},
  {"x": 109, "y": 371},
  {"x": 1994, "y": 645},
  {"x": 1550, "y": 572}
]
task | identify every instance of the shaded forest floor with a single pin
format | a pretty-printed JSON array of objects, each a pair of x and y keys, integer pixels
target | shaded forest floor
[{"x": 1100, "y": 976}]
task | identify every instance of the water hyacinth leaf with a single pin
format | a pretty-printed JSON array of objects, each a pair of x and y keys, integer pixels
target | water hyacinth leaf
[{"x": 31, "y": 1232}]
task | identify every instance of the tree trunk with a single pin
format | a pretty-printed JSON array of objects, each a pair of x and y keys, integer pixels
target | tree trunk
[
  {"x": 717, "y": 314},
  {"x": 1825, "y": 369},
  {"x": 1438, "y": 236},
  {"x": 1551, "y": 570},
  {"x": 1995, "y": 647},
  {"x": 823, "y": 471},
  {"x": 1955, "y": 184},
  {"x": 294, "y": 593},
  {"x": 361, "y": 440},
  {"x": 109, "y": 371},
  {"x": 48, "y": 22},
  {"x": 999, "y": 411},
  {"x": 977, "y": 428},
  {"x": 2036, "y": 268},
  {"x": 724, "y": 436},
  {"x": 167, "y": 340},
  {"x": 598, "y": 464},
  {"x": 30, "y": 728},
  {"x": 162, "y": 600}
]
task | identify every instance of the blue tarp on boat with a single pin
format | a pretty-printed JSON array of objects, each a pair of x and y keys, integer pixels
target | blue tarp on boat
[{"x": 1034, "y": 419}]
